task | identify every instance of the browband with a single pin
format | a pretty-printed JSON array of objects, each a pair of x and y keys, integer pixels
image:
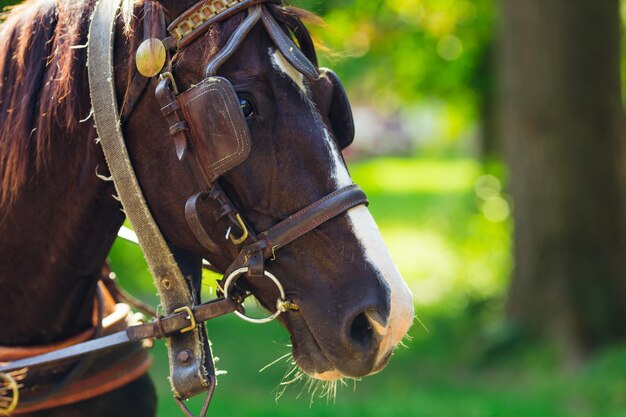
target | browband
[{"x": 200, "y": 17}]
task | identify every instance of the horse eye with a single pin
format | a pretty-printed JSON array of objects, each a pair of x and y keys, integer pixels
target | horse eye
[{"x": 246, "y": 107}]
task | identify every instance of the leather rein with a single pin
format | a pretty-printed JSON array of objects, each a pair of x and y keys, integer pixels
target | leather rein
[{"x": 191, "y": 366}]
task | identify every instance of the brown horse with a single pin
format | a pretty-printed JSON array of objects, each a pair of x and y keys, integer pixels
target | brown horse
[{"x": 58, "y": 219}]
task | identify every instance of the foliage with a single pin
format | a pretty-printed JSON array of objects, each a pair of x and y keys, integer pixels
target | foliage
[
  {"x": 623, "y": 60},
  {"x": 447, "y": 247},
  {"x": 398, "y": 53}
]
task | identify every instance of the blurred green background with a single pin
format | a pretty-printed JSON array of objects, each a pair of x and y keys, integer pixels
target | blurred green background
[{"x": 439, "y": 88}]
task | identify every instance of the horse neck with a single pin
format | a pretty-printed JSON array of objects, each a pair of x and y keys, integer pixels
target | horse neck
[{"x": 55, "y": 238}]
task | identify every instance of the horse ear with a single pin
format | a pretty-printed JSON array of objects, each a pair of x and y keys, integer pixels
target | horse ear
[{"x": 340, "y": 112}]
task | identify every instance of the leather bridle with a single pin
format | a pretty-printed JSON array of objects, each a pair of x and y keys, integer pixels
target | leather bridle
[
  {"x": 253, "y": 249},
  {"x": 191, "y": 364}
]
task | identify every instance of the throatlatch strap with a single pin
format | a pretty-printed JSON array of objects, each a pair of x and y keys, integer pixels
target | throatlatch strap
[{"x": 193, "y": 378}]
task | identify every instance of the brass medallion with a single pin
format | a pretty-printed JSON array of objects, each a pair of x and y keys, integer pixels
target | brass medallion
[{"x": 150, "y": 57}]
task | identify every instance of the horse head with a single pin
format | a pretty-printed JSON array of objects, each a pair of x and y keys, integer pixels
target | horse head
[{"x": 353, "y": 307}]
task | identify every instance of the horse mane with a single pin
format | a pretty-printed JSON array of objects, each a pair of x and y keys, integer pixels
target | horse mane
[{"x": 43, "y": 85}]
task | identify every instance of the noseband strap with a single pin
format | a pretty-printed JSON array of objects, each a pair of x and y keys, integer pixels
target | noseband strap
[{"x": 297, "y": 225}]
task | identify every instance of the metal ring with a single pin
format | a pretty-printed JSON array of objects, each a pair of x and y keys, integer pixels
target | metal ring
[
  {"x": 11, "y": 385},
  {"x": 231, "y": 280}
]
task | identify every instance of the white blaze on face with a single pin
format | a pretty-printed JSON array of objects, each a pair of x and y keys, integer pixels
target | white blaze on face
[
  {"x": 365, "y": 230},
  {"x": 401, "y": 314},
  {"x": 280, "y": 63}
]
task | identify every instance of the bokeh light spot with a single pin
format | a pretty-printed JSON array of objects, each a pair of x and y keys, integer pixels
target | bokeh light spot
[
  {"x": 450, "y": 48},
  {"x": 487, "y": 186},
  {"x": 496, "y": 209}
]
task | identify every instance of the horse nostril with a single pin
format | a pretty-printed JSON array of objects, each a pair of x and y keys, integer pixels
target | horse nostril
[
  {"x": 378, "y": 321},
  {"x": 361, "y": 330}
]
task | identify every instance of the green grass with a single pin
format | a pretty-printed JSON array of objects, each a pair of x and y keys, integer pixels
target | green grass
[
  {"x": 454, "y": 252},
  {"x": 440, "y": 374}
]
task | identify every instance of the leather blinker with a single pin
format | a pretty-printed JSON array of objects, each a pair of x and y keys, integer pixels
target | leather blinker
[
  {"x": 340, "y": 112},
  {"x": 218, "y": 131}
]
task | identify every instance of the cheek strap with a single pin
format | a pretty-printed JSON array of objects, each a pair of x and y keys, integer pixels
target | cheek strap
[{"x": 254, "y": 15}]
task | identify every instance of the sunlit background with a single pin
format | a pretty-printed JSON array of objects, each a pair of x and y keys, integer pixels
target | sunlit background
[{"x": 422, "y": 80}]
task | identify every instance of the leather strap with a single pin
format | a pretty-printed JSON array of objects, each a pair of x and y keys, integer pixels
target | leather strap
[
  {"x": 108, "y": 379},
  {"x": 242, "y": 31},
  {"x": 193, "y": 219},
  {"x": 159, "y": 328},
  {"x": 287, "y": 47},
  {"x": 267, "y": 243},
  {"x": 307, "y": 219},
  {"x": 48, "y": 385},
  {"x": 173, "y": 290},
  {"x": 178, "y": 126},
  {"x": 300, "y": 32},
  {"x": 223, "y": 208},
  {"x": 167, "y": 326}
]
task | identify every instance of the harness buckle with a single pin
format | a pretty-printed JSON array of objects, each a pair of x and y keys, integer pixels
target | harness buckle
[
  {"x": 190, "y": 317},
  {"x": 168, "y": 75},
  {"x": 285, "y": 305},
  {"x": 238, "y": 241}
]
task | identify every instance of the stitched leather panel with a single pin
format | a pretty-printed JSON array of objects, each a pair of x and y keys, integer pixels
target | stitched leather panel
[{"x": 218, "y": 131}]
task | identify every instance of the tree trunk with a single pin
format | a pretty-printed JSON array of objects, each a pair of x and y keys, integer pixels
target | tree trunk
[{"x": 562, "y": 134}]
